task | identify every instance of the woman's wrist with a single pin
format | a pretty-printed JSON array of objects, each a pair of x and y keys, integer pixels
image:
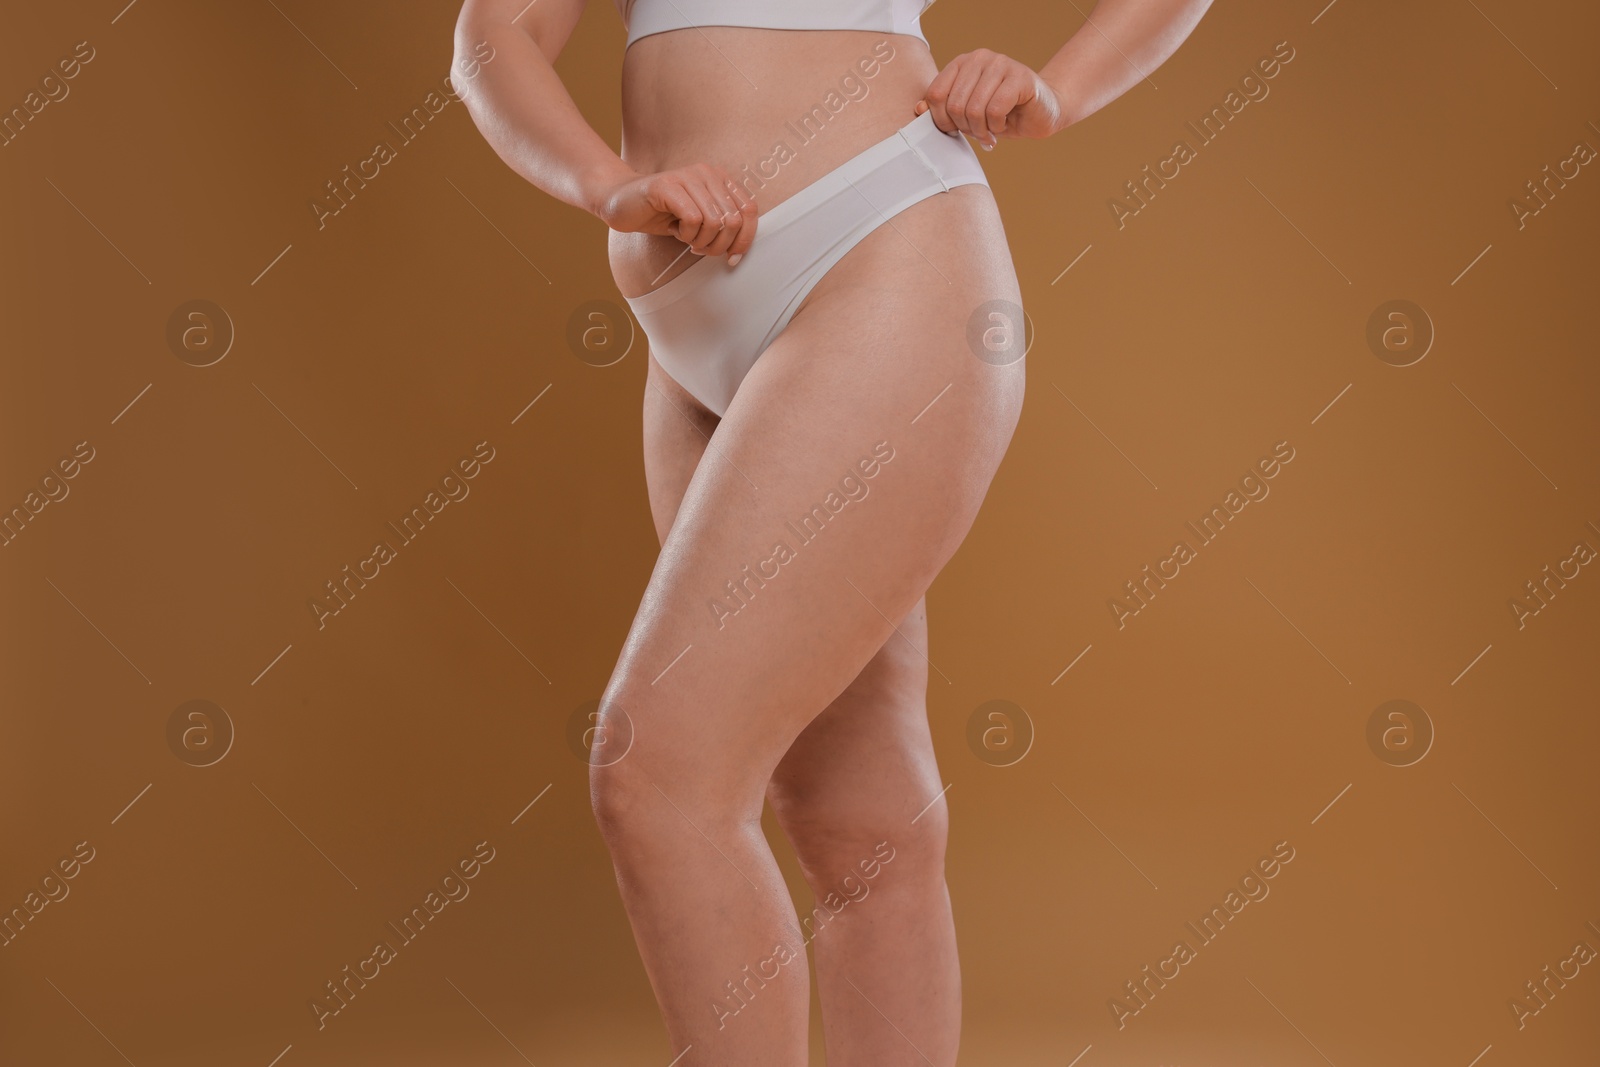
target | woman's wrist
[
  {"x": 1089, "y": 72},
  {"x": 1066, "y": 106},
  {"x": 1074, "y": 99},
  {"x": 598, "y": 184}
]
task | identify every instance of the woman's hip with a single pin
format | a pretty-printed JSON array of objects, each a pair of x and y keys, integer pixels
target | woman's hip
[{"x": 708, "y": 325}]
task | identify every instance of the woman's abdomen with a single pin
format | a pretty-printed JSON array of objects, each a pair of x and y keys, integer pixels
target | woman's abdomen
[{"x": 776, "y": 109}]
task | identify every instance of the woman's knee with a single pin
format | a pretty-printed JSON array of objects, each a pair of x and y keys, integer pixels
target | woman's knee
[
  {"x": 617, "y": 797},
  {"x": 645, "y": 802},
  {"x": 853, "y": 838}
]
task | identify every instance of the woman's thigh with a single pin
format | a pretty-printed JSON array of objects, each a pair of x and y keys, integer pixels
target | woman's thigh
[
  {"x": 677, "y": 432},
  {"x": 865, "y": 762},
  {"x": 841, "y": 479}
]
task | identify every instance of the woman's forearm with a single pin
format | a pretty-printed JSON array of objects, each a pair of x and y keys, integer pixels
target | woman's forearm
[
  {"x": 520, "y": 105},
  {"x": 1118, "y": 47}
]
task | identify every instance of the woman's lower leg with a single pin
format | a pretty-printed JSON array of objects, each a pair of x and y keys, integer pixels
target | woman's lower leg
[{"x": 713, "y": 919}]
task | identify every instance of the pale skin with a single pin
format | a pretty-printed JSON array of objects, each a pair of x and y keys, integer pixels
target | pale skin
[{"x": 812, "y": 697}]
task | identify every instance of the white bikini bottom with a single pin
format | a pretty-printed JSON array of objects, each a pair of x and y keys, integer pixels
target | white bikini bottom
[{"x": 708, "y": 325}]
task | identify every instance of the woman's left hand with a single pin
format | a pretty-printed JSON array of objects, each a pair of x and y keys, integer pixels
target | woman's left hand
[{"x": 986, "y": 96}]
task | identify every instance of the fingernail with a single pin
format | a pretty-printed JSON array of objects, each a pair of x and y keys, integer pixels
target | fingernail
[
  {"x": 988, "y": 148},
  {"x": 734, "y": 259},
  {"x": 696, "y": 251}
]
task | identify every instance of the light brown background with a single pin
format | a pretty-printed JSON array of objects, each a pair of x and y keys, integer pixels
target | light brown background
[{"x": 374, "y": 753}]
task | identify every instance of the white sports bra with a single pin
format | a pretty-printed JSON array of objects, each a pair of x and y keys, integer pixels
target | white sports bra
[{"x": 644, "y": 17}]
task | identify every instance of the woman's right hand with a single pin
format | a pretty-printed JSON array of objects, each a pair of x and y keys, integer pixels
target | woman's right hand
[{"x": 699, "y": 205}]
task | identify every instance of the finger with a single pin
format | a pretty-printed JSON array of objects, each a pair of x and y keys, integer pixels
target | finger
[
  {"x": 719, "y": 189},
  {"x": 1025, "y": 85},
  {"x": 991, "y": 102},
  {"x": 938, "y": 94},
  {"x": 708, "y": 215},
  {"x": 729, "y": 196},
  {"x": 960, "y": 96},
  {"x": 740, "y": 215},
  {"x": 732, "y": 218},
  {"x": 728, "y": 218},
  {"x": 723, "y": 241},
  {"x": 748, "y": 214},
  {"x": 686, "y": 213}
]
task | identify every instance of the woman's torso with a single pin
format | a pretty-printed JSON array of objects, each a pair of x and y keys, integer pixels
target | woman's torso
[{"x": 776, "y": 108}]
